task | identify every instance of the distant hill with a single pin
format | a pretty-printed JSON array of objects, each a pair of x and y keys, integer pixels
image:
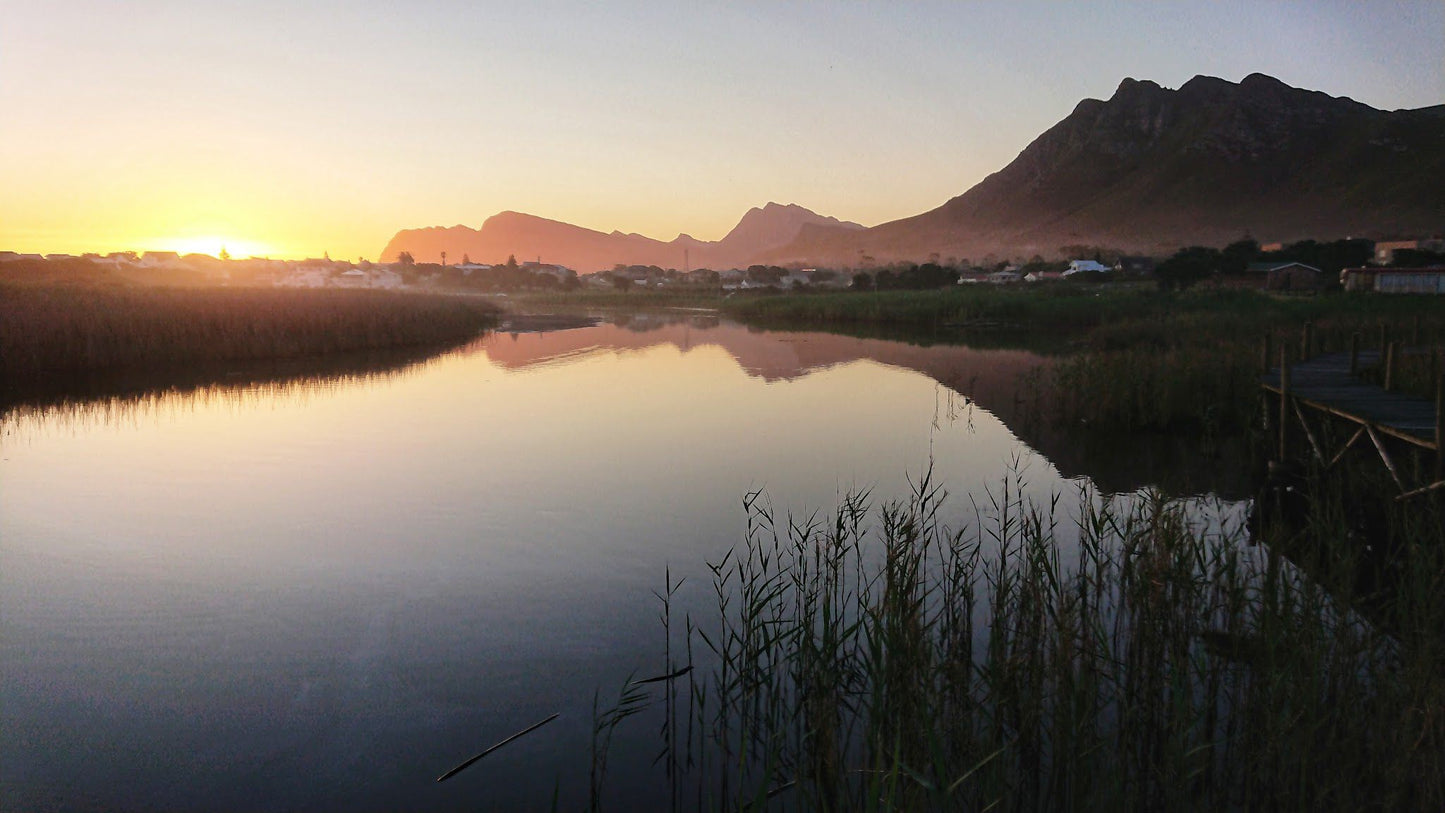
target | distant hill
[
  {"x": 529, "y": 237},
  {"x": 1152, "y": 169}
]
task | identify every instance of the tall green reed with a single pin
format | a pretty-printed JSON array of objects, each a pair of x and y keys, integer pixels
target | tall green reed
[{"x": 1134, "y": 653}]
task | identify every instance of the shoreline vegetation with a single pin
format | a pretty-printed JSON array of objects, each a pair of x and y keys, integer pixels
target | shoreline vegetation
[
  {"x": 1131, "y": 357},
  {"x": 1095, "y": 654},
  {"x": 56, "y": 331}
]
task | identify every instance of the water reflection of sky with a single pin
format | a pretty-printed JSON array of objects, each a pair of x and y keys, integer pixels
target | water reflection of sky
[{"x": 324, "y": 597}]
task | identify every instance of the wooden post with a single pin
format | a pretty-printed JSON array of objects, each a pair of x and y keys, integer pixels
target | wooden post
[
  {"x": 1265, "y": 358},
  {"x": 1434, "y": 363},
  {"x": 1385, "y": 456},
  {"x": 1355, "y": 353},
  {"x": 1439, "y": 425},
  {"x": 1390, "y": 366},
  {"x": 1307, "y": 342},
  {"x": 1283, "y": 401},
  {"x": 1384, "y": 338}
]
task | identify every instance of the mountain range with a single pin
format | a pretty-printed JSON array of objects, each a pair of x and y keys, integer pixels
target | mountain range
[
  {"x": 528, "y": 237},
  {"x": 1146, "y": 171}
]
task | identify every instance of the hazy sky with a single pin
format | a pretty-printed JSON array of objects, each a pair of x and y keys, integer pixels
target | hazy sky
[{"x": 292, "y": 128}]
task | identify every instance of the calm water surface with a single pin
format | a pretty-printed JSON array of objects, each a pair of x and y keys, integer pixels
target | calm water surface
[{"x": 325, "y": 595}]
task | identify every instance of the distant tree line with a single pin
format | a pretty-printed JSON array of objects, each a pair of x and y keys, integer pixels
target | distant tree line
[
  {"x": 907, "y": 277},
  {"x": 502, "y": 278},
  {"x": 1198, "y": 263}
]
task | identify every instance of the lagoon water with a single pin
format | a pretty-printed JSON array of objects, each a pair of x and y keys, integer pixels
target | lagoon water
[{"x": 325, "y": 594}]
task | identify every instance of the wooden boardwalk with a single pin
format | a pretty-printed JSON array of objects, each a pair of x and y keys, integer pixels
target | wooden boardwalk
[{"x": 1326, "y": 384}]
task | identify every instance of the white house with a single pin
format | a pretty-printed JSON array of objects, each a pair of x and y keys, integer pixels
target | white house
[
  {"x": 385, "y": 278},
  {"x": 1042, "y": 276},
  {"x": 559, "y": 272},
  {"x": 161, "y": 259},
  {"x": 353, "y": 278},
  {"x": 1080, "y": 266},
  {"x": 731, "y": 279},
  {"x": 308, "y": 274}
]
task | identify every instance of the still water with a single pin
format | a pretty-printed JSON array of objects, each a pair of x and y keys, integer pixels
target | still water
[{"x": 325, "y": 594}]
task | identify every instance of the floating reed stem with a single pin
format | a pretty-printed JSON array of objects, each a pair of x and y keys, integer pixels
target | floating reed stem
[{"x": 528, "y": 730}]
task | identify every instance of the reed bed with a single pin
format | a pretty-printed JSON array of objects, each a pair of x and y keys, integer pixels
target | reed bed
[
  {"x": 1053, "y": 307},
  {"x": 1131, "y": 655},
  {"x": 1074, "y": 307},
  {"x": 49, "y": 330},
  {"x": 1199, "y": 370},
  {"x": 1142, "y": 359}
]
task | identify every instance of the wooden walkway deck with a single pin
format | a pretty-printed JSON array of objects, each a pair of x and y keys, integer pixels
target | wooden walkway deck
[{"x": 1325, "y": 383}]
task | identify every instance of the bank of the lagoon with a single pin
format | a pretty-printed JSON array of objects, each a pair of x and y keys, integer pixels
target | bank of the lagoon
[
  {"x": 53, "y": 329},
  {"x": 1135, "y": 358},
  {"x": 325, "y": 593}
]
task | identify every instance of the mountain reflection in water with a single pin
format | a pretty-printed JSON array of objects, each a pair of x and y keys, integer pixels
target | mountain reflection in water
[{"x": 1011, "y": 384}]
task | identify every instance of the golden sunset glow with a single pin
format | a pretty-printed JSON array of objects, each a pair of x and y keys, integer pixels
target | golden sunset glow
[
  {"x": 305, "y": 130},
  {"x": 213, "y": 245}
]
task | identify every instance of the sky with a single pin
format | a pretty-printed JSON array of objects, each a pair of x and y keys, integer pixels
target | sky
[{"x": 289, "y": 129}]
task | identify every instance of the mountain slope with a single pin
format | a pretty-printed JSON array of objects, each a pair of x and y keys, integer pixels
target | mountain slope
[
  {"x": 1151, "y": 169},
  {"x": 529, "y": 237}
]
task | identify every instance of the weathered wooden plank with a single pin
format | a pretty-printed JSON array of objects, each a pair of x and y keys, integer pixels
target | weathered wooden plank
[{"x": 1325, "y": 383}]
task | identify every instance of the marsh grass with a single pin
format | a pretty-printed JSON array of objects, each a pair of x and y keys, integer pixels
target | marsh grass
[
  {"x": 1415, "y": 371},
  {"x": 1131, "y": 654},
  {"x": 57, "y": 330},
  {"x": 1054, "y": 307},
  {"x": 1199, "y": 371},
  {"x": 1141, "y": 359}
]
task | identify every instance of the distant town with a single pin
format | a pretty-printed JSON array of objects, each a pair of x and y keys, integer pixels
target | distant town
[{"x": 1400, "y": 266}]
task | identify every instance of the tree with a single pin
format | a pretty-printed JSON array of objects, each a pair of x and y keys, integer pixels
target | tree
[
  {"x": 621, "y": 283},
  {"x": 1328, "y": 257},
  {"x": 1187, "y": 266},
  {"x": 511, "y": 262},
  {"x": 405, "y": 259},
  {"x": 766, "y": 274},
  {"x": 1415, "y": 257},
  {"x": 1236, "y": 257}
]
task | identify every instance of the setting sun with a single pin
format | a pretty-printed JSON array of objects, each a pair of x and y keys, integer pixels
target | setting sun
[{"x": 213, "y": 245}]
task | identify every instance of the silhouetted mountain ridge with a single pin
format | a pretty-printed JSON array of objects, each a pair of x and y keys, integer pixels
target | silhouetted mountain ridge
[
  {"x": 529, "y": 237},
  {"x": 1148, "y": 170},
  {"x": 1152, "y": 168}
]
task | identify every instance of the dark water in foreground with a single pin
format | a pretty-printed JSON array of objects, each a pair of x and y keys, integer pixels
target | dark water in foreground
[{"x": 324, "y": 594}]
